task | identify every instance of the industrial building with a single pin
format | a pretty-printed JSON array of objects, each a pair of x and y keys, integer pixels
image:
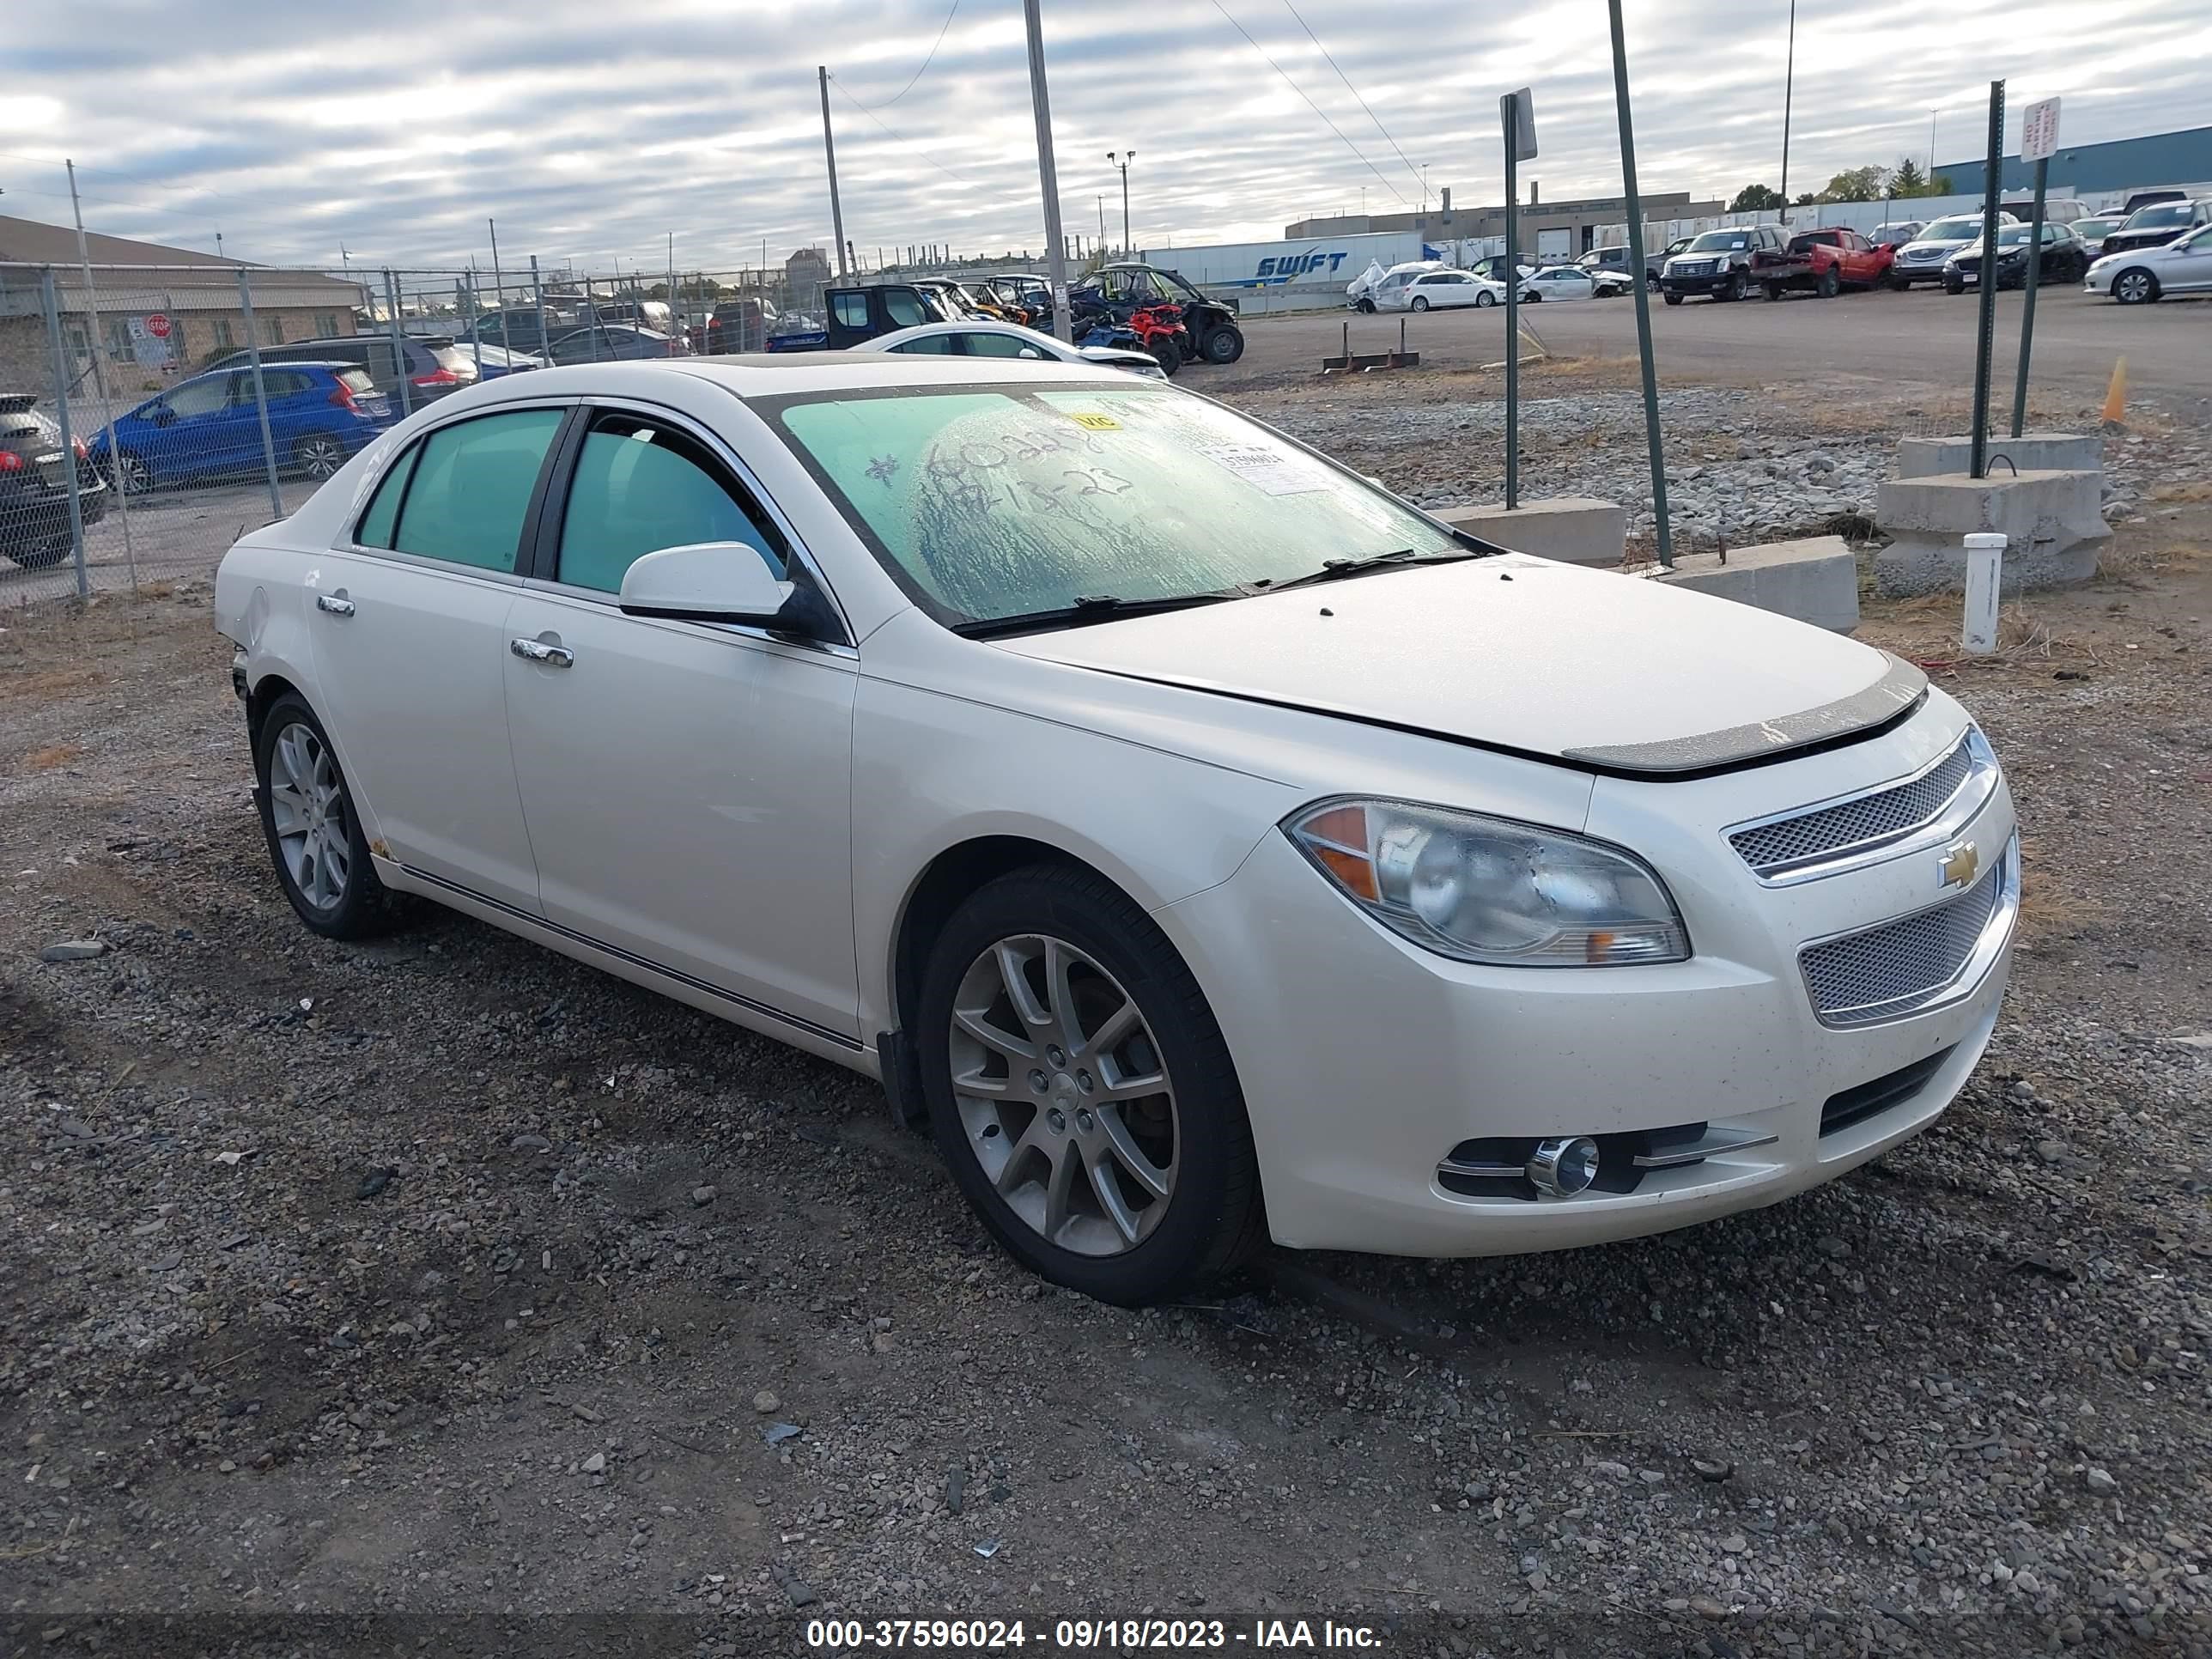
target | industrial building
[
  {"x": 2082, "y": 170},
  {"x": 1561, "y": 229}
]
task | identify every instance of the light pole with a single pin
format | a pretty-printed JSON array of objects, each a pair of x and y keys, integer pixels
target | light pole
[
  {"x": 1120, "y": 160},
  {"x": 1424, "y": 186},
  {"x": 1932, "y": 114},
  {"x": 1789, "y": 85}
]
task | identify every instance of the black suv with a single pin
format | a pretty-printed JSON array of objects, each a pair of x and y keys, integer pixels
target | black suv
[
  {"x": 35, "y": 524},
  {"x": 1718, "y": 262},
  {"x": 432, "y": 365},
  {"x": 1616, "y": 259}
]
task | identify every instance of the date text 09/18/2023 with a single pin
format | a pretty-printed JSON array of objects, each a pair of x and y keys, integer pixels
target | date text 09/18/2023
[{"x": 1087, "y": 1635}]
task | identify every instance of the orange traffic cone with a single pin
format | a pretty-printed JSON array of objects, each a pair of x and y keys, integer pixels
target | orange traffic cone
[{"x": 2116, "y": 396}]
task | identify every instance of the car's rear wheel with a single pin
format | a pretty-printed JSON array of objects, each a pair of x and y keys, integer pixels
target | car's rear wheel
[
  {"x": 41, "y": 555},
  {"x": 318, "y": 455},
  {"x": 314, "y": 835},
  {"x": 1224, "y": 346},
  {"x": 1082, "y": 1092},
  {"x": 1830, "y": 284},
  {"x": 1773, "y": 290},
  {"x": 2134, "y": 287}
]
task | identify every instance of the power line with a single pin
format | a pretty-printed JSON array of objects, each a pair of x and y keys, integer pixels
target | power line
[
  {"x": 926, "y": 61},
  {"x": 1354, "y": 91},
  {"x": 1315, "y": 107},
  {"x": 894, "y": 133}
]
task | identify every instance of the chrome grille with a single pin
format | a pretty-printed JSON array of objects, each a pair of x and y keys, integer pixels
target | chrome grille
[
  {"x": 1769, "y": 848},
  {"x": 1891, "y": 970}
]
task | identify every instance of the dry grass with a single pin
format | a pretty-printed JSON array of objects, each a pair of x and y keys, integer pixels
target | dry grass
[
  {"x": 53, "y": 754},
  {"x": 2183, "y": 492},
  {"x": 2050, "y": 906}
]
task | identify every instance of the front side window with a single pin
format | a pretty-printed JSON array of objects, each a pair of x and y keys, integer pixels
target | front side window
[
  {"x": 1000, "y": 503},
  {"x": 997, "y": 345},
  {"x": 851, "y": 310},
  {"x": 929, "y": 345},
  {"x": 639, "y": 486},
  {"x": 903, "y": 305},
  {"x": 202, "y": 397},
  {"x": 471, "y": 488}
]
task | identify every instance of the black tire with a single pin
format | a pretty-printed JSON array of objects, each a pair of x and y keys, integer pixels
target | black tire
[
  {"x": 1167, "y": 354},
  {"x": 1739, "y": 287},
  {"x": 1650, "y": 282},
  {"x": 318, "y": 455},
  {"x": 1484, "y": 298},
  {"x": 1773, "y": 290},
  {"x": 1954, "y": 286},
  {"x": 42, "y": 555},
  {"x": 1830, "y": 284},
  {"x": 1674, "y": 299},
  {"x": 2135, "y": 287},
  {"x": 363, "y": 907},
  {"x": 1893, "y": 282},
  {"x": 137, "y": 479},
  {"x": 1367, "y": 308},
  {"x": 1223, "y": 345},
  {"x": 1215, "y": 1218},
  {"x": 1420, "y": 303}
]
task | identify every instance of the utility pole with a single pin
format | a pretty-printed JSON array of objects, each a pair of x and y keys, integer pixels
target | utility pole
[
  {"x": 1048, "y": 176},
  {"x": 99, "y": 377},
  {"x": 1932, "y": 114},
  {"x": 1642, "y": 289},
  {"x": 498, "y": 282},
  {"x": 829, "y": 153},
  {"x": 1120, "y": 161},
  {"x": 1789, "y": 85}
]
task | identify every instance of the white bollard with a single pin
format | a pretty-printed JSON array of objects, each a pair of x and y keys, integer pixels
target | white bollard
[{"x": 1984, "y": 578}]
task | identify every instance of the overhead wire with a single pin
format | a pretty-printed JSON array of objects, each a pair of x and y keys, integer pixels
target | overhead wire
[
  {"x": 926, "y": 61},
  {"x": 1355, "y": 92},
  {"x": 896, "y": 134},
  {"x": 1316, "y": 108}
]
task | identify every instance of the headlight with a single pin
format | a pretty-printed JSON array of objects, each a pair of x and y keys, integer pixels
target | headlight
[{"x": 1489, "y": 890}]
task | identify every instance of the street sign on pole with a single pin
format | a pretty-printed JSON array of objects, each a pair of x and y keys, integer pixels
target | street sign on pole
[
  {"x": 1523, "y": 131},
  {"x": 2039, "y": 131}
]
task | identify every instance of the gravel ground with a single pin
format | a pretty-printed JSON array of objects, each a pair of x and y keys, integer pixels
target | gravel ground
[{"x": 452, "y": 1288}]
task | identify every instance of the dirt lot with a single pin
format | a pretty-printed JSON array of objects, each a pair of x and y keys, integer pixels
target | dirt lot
[{"x": 442, "y": 1295}]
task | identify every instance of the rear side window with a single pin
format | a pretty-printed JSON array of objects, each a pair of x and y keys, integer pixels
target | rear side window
[
  {"x": 935, "y": 345},
  {"x": 904, "y": 306},
  {"x": 639, "y": 486},
  {"x": 471, "y": 488},
  {"x": 852, "y": 310},
  {"x": 377, "y": 523}
]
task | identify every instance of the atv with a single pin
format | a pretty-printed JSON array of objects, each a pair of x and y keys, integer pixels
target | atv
[{"x": 1209, "y": 326}]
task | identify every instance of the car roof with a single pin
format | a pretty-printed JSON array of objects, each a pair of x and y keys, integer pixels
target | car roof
[
  {"x": 960, "y": 326},
  {"x": 774, "y": 374}
]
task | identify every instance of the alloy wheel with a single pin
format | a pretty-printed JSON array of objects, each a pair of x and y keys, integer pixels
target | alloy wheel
[
  {"x": 136, "y": 477},
  {"x": 2132, "y": 289},
  {"x": 307, "y": 805},
  {"x": 320, "y": 457},
  {"x": 1063, "y": 1095}
]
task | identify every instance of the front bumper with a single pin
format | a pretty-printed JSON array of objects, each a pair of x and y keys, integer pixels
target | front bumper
[
  {"x": 1715, "y": 284},
  {"x": 1365, "y": 1062}
]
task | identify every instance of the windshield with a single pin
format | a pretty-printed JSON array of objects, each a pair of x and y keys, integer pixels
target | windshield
[
  {"x": 2160, "y": 218},
  {"x": 990, "y": 502},
  {"x": 1964, "y": 228},
  {"x": 1720, "y": 241},
  {"x": 2094, "y": 227}
]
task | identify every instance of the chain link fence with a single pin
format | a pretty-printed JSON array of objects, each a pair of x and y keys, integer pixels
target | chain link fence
[{"x": 151, "y": 414}]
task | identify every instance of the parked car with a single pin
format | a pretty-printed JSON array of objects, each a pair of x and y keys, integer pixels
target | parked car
[
  {"x": 498, "y": 359},
  {"x": 2143, "y": 275},
  {"x": 1614, "y": 261},
  {"x": 1718, "y": 264},
  {"x": 1492, "y": 268},
  {"x": 34, "y": 484},
  {"x": 2063, "y": 259},
  {"x": 1209, "y": 323},
  {"x": 1565, "y": 283},
  {"x": 1437, "y": 290},
  {"x": 2139, "y": 199},
  {"x": 654, "y": 314},
  {"x": 433, "y": 366},
  {"x": 615, "y": 342},
  {"x": 1825, "y": 261},
  {"x": 1922, "y": 259},
  {"x": 320, "y": 414},
  {"x": 2157, "y": 225},
  {"x": 981, "y": 337},
  {"x": 862, "y": 313},
  {"x": 2057, "y": 209},
  {"x": 1894, "y": 234},
  {"x": 767, "y": 687},
  {"x": 2093, "y": 231}
]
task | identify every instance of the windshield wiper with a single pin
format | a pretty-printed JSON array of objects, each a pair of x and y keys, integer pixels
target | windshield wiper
[
  {"x": 1089, "y": 608},
  {"x": 1334, "y": 570}
]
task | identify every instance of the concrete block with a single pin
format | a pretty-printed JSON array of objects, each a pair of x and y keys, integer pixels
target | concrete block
[
  {"x": 1815, "y": 580},
  {"x": 1572, "y": 529},
  {"x": 2054, "y": 522},
  {"x": 2032, "y": 452}
]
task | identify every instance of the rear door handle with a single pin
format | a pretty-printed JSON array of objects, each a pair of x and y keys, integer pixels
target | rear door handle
[
  {"x": 553, "y": 656},
  {"x": 337, "y": 603}
]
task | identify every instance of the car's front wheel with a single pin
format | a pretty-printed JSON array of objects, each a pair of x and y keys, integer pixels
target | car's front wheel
[
  {"x": 1674, "y": 299},
  {"x": 1082, "y": 1092},
  {"x": 2134, "y": 287},
  {"x": 1485, "y": 298},
  {"x": 1420, "y": 302},
  {"x": 42, "y": 555},
  {"x": 134, "y": 475},
  {"x": 314, "y": 835},
  {"x": 1738, "y": 286}
]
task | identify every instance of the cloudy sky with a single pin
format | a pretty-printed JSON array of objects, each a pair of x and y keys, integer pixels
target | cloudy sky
[{"x": 593, "y": 129}]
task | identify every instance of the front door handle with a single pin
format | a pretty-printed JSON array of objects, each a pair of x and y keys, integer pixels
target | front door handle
[
  {"x": 553, "y": 656},
  {"x": 337, "y": 603}
]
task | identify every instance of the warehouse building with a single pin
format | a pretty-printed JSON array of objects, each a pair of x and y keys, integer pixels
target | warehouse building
[
  {"x": 2085, "y": 170},
  {"x": 1555, "y": 229}
]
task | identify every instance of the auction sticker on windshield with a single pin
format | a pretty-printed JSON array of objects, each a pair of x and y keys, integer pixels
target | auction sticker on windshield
[
  {"x": 1278, "y": 472},
  {"x": 1097, "y": 423}
]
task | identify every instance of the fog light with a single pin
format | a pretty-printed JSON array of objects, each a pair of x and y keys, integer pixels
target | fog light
[{"x": 1563, "y": 1167}]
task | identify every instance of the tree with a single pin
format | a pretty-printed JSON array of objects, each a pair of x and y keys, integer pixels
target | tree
[
  {"x": 1806, "y": 199},
  {"x": 1906, "y": 181},
  {"x": 1855, "y": 184},
  {"x": 1756, "y": 198}
]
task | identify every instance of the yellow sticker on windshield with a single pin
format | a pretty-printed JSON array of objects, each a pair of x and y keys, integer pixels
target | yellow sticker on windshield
[{"x": 1099, "y": 422}]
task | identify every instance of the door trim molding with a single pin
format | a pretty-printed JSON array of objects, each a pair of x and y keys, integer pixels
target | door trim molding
[{"x": 820, "y": 1033}]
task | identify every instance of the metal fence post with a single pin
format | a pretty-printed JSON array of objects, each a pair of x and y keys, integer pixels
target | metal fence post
[
  {"x": 398, "y": 342},
  {"x": 1978, "y": 457},
  {"x": 1641, "y": 278},
  {"x": 1511, "y": 117},
  {"x": 260, "y": 391},
  {"x": 50, "y": 303},
  {"x": 537, "y": 288},
  {"x": 2027, "y": 300}
]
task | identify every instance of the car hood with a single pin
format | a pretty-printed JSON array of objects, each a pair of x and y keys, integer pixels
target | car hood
[
  {"x": 1698, "y": 258},
  {"x": 1606, "y": 672},
  {"x": 1917, "y": 251}
]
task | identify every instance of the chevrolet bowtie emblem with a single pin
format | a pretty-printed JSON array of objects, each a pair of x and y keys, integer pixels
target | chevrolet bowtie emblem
[{"x": 1960, "y": 860}]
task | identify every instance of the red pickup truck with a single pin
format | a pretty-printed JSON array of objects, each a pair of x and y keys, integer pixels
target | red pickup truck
[{"x": 1823, "y": 262}]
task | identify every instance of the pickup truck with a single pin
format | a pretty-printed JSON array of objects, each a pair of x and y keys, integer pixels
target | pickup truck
[
  {"x": 854, "y": 314},
  {"x": 1823, "y": 262}
]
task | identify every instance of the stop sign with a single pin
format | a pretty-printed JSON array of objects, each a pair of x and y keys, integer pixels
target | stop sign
[{"x": 158, "y": 326}]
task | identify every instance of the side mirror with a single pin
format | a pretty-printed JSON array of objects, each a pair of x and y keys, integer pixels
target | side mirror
[
  {"x": 719, "y": 582},
  {"x": 1032, "y": 353}
]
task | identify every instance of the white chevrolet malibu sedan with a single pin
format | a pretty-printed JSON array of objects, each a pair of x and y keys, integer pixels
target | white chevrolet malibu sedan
[{"x": 1209, "y": 845}]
